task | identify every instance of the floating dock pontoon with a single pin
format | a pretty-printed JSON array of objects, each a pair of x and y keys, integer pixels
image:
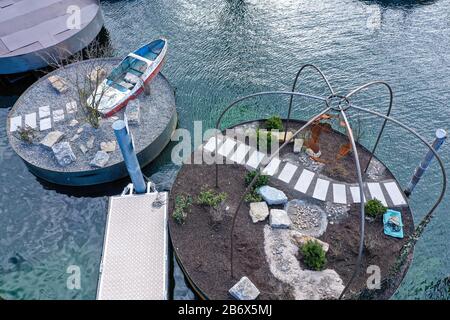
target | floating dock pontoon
[
  {"x": 135, "y": 252},
  {"x": 31, "y": 31}
]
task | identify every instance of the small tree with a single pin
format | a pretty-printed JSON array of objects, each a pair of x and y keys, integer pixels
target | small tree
[
  {"x": 374, "y": 208},
  {"x": 313, "y": 255},
  {"x": 182, "y": 208},
  {"x": 274, "y": 123},
  {"x": 84, "y": 85},
  {"x": 211, "y": 198}
]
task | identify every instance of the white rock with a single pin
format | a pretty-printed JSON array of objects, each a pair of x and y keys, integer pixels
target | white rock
[
  {"x": 109, "y": 146},
  {"x": 279, "y": 219},
  {"x": 73, "y": 123},
  {"x": 90, "y": 142},
  {"x": 58, "y": 83},
  {"x": 83, "y": 148},
  {"x": 301, "y": 239},
  {"x": 311, "y": 153},
  {"x": 244, "y": 290},
  {"x": 75, "y": 137},
  {"x": 80, "y": 130},
  {"x": 63, "y": 153},
  {"x": 51, "y": 139},
  {"x": 97, "y": 75},
  {"x": 100, "y": 159},
  {"x": 259, "y": 211},
  {"x": 298, "y": 144}
]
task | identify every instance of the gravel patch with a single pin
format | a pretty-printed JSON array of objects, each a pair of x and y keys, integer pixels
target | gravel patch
[{"x": 306, "y": 218}]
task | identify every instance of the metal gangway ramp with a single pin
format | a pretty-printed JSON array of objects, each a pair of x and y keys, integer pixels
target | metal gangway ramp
[{"x": 134, "y": 262}]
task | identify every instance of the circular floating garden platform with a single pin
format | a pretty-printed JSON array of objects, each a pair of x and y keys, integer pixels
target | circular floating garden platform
[
  {"x": 46, "y": 110},
  {"x": 322, "y": 204}
]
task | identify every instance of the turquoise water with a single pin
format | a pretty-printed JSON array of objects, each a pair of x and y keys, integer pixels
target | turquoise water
[{"x": 220, "y": 50}]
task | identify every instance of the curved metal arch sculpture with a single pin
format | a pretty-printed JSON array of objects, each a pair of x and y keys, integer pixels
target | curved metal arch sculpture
[{"x": 344, "y": 104}]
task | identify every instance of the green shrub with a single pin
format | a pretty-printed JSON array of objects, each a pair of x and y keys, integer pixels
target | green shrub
[
  {"x": 262, "y": 180},
  {"x": 211, "y": 198},
  {"x": 374, "y": 208},
  {"x": 182, "y": 207},
  {"x": 252, "y": 196},
  {"x": 313, "y": 255},
  {"x": 274, "y": 123},
  {"x": 263, "y": 140}
]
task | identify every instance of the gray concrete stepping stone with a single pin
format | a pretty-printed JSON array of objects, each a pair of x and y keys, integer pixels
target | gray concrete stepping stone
[
  {"x": 133, "y": 112},
  {"x": 320, "y": 192},
  {"x": 272, "y": 195},
  {"x": 376, "y": 192},
  {"x": 279, "y": 219},
  {"x": 63, "y": 153},
  {"x": 394, "y": 193},
  {"x": 339, "y": 193},
  {"x": 255, "y": 159},
  {"x": 259, "y": 211},
  {"x": 226, "y": 148},
  {"x": 241, "y": 152},
  {"x": 272, "y": 167},
  {"x": 298, "y": 145},
  {"x": 45, "y": 124},
  {"x": 44, "y": 112},
  {"x": 244, "y": 290},
  {"x": 356, "y": 194},
  {"x": 58, "y": 115},
  {"x": 304, "y": 181},
  {"x": 100, "y": 159},
  {"x": 30, "y": 120},
  {"x": 15, "y": 123},
  {"x": 71, "y": 107},
  {"x": 288, "y": 172},
  {"x": 51, "y": 139}
]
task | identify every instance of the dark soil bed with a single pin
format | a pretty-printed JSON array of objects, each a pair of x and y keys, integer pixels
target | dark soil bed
[{"x": 203, "y": 247}]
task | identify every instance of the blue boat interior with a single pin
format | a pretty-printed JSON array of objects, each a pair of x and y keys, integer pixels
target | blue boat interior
[{"x": 118, "y": 77}]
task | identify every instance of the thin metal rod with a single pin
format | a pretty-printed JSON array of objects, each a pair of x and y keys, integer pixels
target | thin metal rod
[
  {"x": 252, "y": 183},
  {"x": 361, "y": 197},
  {"x": 391, "y": 100},
  {"x": 248, "y": 97},
  {"x": 295, "y": 85}
]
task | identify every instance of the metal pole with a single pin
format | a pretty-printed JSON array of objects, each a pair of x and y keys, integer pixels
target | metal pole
[
  {"x": 441, "y": 135},
  {"x": 125, "y": 141}
]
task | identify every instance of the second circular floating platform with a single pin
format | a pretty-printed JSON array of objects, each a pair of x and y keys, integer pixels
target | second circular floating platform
[{"x": 47, "y": 110}]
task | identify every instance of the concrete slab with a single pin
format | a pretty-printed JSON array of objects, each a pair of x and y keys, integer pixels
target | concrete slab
[
  {"x": 376, "y": 192},
  {"x": 321, "y": 189},
  {"x": 394, "y": 193},
  {"x": 241, "y": 151},
  {"x": 255, "y": 159},
  {"x": 304, "y": 181},
  {"x": 288, "y": 172},
  {"x": 339, "y": 193},
  {"x": 272, "y": 167}
]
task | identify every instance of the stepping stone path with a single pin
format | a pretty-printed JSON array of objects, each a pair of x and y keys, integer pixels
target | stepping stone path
[
  {"x": 244, "y": 290},
  {"x": 303, "y": 180}
]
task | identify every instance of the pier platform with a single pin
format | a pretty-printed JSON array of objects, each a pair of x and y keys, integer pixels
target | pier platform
[
  {"x": 135, "y": 252},
  {"x": 31, "y": 31}
]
